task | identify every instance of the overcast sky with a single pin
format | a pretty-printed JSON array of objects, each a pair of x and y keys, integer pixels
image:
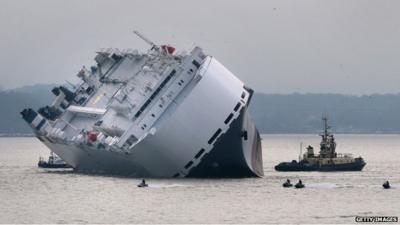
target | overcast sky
[{"x": 350, "y": 47}]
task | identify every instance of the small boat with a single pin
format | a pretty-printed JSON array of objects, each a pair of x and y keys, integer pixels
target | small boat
[
  {"x": 299, "y": 184},
  {"x": 386, "y": 185},
  {"x": 53, "y": 162},
  {"x": 287, "y": 184},
  {"x": 143, "y": 184}
]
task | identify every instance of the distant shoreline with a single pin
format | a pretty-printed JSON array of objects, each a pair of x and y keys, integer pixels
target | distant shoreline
[
  {"x": 272, "y": 113},
  {"x": 17, "y": 135},
  {"x": 32, "y": 135}
]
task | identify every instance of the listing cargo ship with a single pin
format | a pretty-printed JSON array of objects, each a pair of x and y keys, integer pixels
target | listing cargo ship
[
  {"x": 327, "y": 160},
  {"x": 154, "y": 114}
]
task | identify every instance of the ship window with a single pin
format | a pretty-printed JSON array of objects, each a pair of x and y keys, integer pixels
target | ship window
[
  {"x": 244, "y": 135},
  {"x": 197, "y": 64},
  {"x": 98, "y": 123},
  {"x": 89, "y": 90},
  {"x": 199, "y": 153},
  {"x": 188, "y": 164},
  {"x": 228, "y": 119},
  {"x": 116, "y": 57},
  {"x": 64, "y": 106},
  {"x": 155, "y": 93},
  {"x": 41, "y": 124},
  {"x": 237, "y": 106},
  {"x": 176, "y": 175},
  {"x": 215, "y": 135},
  {"x": 51, "y": 141},
  {"x": 153, "y": 115},
  {"x": 81, "y": 100},
  {"x": 243, "y": 94}
]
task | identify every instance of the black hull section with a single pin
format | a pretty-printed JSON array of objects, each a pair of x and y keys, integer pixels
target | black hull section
[
  {"x": 228, "y": 157},
  {"x": 294, "y": 166}
]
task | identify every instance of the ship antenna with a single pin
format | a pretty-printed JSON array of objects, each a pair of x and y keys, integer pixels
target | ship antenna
[{"x": 153, "y": 46}]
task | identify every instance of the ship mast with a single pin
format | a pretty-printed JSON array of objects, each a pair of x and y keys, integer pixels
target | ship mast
[
  {"x": 326, "y": 127},
  {"x": 328, "y": 144}
]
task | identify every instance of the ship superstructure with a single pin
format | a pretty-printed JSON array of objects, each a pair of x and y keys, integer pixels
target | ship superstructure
[{"x": 159, "y": 114}]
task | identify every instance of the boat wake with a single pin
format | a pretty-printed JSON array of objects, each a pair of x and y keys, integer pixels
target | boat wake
[
  {"x": 322, "y": 185},
  {"x": 166, "y": 185},
  {"x": 395, "y": 186}
]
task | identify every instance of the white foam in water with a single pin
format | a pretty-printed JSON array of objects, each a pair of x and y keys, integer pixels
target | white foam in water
[
  {"x": 321, "y": 185},
  {"x": 166, "y": 185}
]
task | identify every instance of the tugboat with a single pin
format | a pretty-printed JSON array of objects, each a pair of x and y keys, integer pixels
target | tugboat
[
  {"x": 53, "y": 162},
  {"x": 327, "y": 160}
]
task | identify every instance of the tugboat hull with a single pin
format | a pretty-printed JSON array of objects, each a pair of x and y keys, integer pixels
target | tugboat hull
[
  {"x": 53, "y": 166},
  {"x": 295, "y": 166}
]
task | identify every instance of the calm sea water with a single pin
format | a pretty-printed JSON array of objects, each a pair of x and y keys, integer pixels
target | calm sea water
[{"x": 32, "y": 195}]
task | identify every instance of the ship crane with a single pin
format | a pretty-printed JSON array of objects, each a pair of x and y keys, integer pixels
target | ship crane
[
  {"x": 166, "y": 49},
  {"x": 154, "y": 46}
]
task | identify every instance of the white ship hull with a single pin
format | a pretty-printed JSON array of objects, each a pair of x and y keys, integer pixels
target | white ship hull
[{"x": 243, "y": 163}]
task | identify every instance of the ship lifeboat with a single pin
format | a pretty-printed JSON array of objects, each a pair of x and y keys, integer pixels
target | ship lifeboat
[{"x": 92, "y": 136}]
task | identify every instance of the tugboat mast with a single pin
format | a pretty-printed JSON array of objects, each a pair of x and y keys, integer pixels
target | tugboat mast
[
  {"x": 326, "y": 127},
  {"x": 328, "y": 144}
]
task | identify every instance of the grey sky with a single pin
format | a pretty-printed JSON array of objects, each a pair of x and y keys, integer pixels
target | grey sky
[{"x": 335, "y": 46}]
